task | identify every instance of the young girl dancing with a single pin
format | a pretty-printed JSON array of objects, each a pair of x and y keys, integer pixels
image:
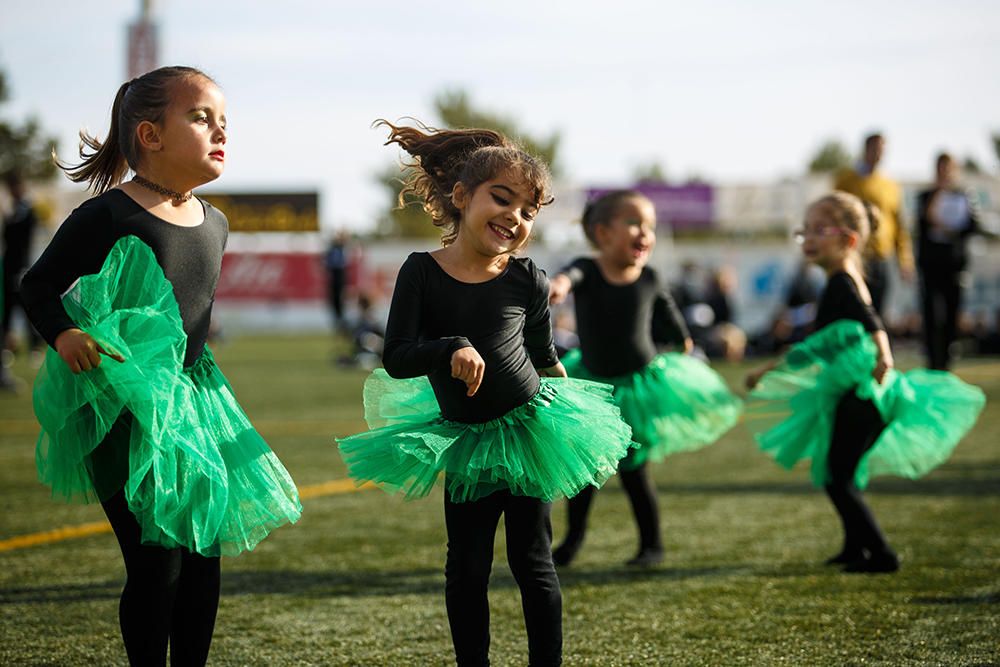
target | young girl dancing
[
  {"x": 469, "y": 326},
  {"x": 153, "y": 432},
  {"x": 840, "y": 401},
  {"x": 672, "y": 402}
]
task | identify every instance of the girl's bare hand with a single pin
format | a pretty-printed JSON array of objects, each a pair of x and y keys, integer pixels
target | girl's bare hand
[
  {"x": 882, "y": 367},
  {"x": 81, "y": 352},
  {"x": 559, "y": 288},
  {"x": 469, "y": 367}
]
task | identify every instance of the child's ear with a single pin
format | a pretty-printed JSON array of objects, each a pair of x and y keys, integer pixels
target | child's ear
[
  {"x": 600, "y": 234},
  {"x": 149, "y": 136},
  {"x": 459, "y": 196}
]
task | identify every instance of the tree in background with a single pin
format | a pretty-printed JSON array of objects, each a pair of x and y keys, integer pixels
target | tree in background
[
  {"x": 996, "y": 144},
  {"x": 831, "y": 156},
  {"x": 23, "y": 147},
  {"x": 456, "y": 111},
  {"x": 971, "y": 166},
  {"x": 649, "y": 172}
]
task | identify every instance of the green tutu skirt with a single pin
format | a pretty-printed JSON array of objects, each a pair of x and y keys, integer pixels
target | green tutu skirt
[
  {"x": 675, "y": 403},
  {"x": 791, "y": 410},
  {"x": 194, "y": 471},
  {"x": 568, "y": 436}
]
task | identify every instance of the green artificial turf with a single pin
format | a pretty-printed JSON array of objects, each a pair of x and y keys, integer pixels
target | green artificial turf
[{"x": 359, "y": 581}]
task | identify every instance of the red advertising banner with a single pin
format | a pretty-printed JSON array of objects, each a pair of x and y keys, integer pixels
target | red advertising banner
[{"x": 271, "y": 277}]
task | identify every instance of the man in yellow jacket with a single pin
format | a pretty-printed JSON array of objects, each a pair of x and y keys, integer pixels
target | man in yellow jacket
[{"x": 891, "y": 237}]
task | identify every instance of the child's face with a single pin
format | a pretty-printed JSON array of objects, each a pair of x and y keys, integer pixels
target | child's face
[
  {"x": 193, "y": 132},
  {"x": 823, "y": 242},
  {"x": 629, "y": 238},
  {"x": 497, "y": 217}
]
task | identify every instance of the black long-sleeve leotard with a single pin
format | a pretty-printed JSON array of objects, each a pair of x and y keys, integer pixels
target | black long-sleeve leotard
[
  {"x": 506, "y": 319},
  {"x": 842, "y": 301},
  {"x": 191, "y": 259},
  {"x": 620, "y": 325}
]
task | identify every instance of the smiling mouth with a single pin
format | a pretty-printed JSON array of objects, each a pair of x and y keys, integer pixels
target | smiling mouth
[
  {"x": 218, "y": 155},
  {"x": 502, "y": 232}
]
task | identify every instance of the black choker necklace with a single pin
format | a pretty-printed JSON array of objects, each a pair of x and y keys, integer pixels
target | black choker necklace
[{"x": 173, "y": 194}]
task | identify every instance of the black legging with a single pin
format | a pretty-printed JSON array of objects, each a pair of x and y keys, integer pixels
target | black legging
[
  {"x": 857, "y": 425},
  {"x": 170, "y": 594},
  {"x": 641, "y": 495},
  {"x": 941, "y": 296},
  {"x": 472, "y": 529}
]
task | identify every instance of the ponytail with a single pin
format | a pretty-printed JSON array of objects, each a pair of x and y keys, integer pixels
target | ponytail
[
  {"x": 443, "y": 158},
  {"x": 850, "y": 212},
  {"x": 145, "y": 98},
  {"x": 104, "y": 166}
]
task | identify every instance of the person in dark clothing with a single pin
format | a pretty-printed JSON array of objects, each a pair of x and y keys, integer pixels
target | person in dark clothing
[
  {"x": 836, "y": 230},
  {"x": 672, "y": 402},
  {"x": 471, "y": 320},
  {"x": 18, "y": 232},
  {"x": 840, "y": 403},
  {"x": 335, "y": 263},
  {"x": 946, "y": 218},
  {"x": 151, "y": 430}
]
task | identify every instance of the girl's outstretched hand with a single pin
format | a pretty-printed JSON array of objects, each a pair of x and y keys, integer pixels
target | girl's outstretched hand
[
  {"x": 559, "y": 288},
  {"x": 754, "y": 376},
  {"x": 81, "y": 352},
  {"x": 469, "y": 367}
]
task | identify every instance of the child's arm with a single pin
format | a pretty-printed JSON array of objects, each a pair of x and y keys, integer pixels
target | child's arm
[
  {"x": 884, "y": 361},
  {"x": 564, "y": 282},
  {"x": 78, "y": 248},
  {"x": 405, "y": 354},
  {"x": 559, "y": 288},
  {"x": 668, "y": 323},
  {"x": 538, "y": 324},
  {"x": 754, "y": 376}
]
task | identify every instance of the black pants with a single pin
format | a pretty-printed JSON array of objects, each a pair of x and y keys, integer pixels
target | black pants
[
  {"x": 472, "y": 528},
  {"x": 12, "y": 300},
  {"x": 941, "y": 296},
  {"x": 335, "y": 294},
  {"x": 856, "y": 427},
  {"x": 170, "y": 594},
  {"x": 641, "y": 495},
  {"x": 877, "y": 279}
]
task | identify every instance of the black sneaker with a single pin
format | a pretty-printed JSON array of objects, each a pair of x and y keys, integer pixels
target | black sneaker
[
  {"x": 845, "y": 556},
  {"x": 879, "y": 563},
  {"x": 646, "y": 558},
  {"x": 564, "y": 554}
]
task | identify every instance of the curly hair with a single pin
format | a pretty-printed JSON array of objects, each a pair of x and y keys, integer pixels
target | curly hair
[{"x": 443, "y": 158}]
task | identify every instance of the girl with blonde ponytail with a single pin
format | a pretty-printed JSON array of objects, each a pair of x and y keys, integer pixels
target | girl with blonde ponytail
[{"x": 838, "y": 399}]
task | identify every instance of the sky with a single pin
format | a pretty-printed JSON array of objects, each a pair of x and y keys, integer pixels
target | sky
[{"x": 730, "y": 91}]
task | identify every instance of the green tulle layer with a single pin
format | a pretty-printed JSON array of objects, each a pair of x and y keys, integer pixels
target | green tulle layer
[
  {"x": 568, "y": 436},
  {"x": 195, "y": 472},
  {"x": 675, "y": 403},
  {"x": 791, "y": 410}
]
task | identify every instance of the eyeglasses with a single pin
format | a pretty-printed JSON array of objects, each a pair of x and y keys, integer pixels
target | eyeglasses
[{"x": 800, "y": 235}]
